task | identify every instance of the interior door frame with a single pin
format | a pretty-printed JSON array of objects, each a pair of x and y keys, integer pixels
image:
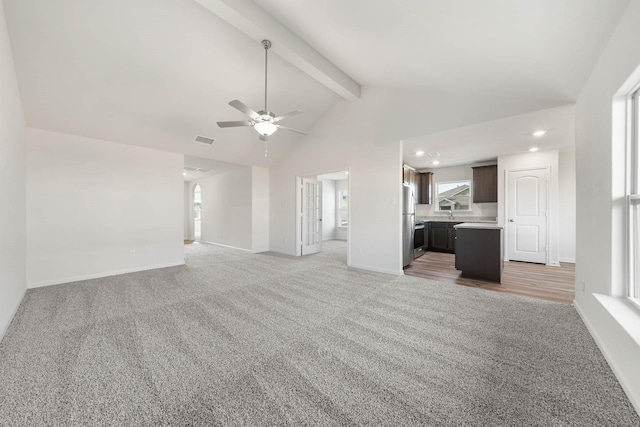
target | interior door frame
[
  {"x": 304, "y": 197},
  {"x": 505, "y": 242},
  {"x": 298, "y": 210}
]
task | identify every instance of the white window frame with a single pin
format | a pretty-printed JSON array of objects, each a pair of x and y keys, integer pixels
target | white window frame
[
  {"x": 633, "y": 194},
  {"x": 437, "y": 200}
]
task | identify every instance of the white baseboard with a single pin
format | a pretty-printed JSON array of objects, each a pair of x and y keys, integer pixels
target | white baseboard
[
  {"x": 376, "y": 269},
  {"x": 100, "y": 275},
  {"x": 635, "y": 400},
  {"x": 13, "y": 314},
  {"x": 568, "y": 260},
  {"x": 225, "y": 246},
  {"x": 276, "y": 251}
]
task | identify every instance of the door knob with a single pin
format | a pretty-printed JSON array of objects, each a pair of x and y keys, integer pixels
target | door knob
[{"x": 511, "y": 220}]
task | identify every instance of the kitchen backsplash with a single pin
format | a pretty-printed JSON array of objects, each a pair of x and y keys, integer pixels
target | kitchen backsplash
[{"x": 478, "y": 211}]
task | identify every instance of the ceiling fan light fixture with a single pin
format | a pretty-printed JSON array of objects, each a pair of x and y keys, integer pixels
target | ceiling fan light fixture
[
  {"x": 264, "y": 121},
  {"x": 265, "y": 128}
]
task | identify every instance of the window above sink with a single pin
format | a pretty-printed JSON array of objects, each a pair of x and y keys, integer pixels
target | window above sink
[{"x": 453, "y": 196}]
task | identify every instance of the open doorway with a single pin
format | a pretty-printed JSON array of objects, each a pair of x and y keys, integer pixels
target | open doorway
[
  {"x": 328, "y": 216},
  {"x": 197, "y": 213}
]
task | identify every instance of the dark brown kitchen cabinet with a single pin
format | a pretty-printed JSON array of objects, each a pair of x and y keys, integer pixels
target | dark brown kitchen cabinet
[
  {"x": 423, "y": 187},
  {"x": 442, "y": 237},
  {"x": 421, "y": 182},
  {"x": 479, "y": 253},
  {"x": 408, "y": 175},
  {"x": 485, "y": 184}
]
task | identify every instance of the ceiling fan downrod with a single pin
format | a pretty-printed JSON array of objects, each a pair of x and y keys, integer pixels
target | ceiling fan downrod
[{"x": 266, "y": 44}]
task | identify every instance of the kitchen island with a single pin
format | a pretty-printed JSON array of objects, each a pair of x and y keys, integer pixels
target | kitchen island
[{"x": 479, "y": 250}]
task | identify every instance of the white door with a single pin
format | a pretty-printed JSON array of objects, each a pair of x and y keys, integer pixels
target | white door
[
  {"x": 527, "y": 215},
  {"x": 311, "y": 216}
]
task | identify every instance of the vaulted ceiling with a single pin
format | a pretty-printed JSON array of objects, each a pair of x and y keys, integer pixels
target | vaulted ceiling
[{"x": 156, "y": 73}]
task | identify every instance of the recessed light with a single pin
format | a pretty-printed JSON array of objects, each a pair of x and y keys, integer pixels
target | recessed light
[
  {"x": 184, "y": 173},
  {"x": 533, "y": 149},
  {"x": 539, "y": 133},
  {"x": 420, "y": 153},
  {"x": 436, "y": 162},
  {"x": 346, "y": 172}
]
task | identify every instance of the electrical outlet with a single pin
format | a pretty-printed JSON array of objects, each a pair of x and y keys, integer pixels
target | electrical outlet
[
  {"x": 359, "y": 250},
  {"x": 132, "y": 252},
  {"x": 582, "y": 286}
]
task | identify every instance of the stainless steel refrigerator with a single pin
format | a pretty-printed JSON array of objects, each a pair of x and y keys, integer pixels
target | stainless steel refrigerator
[{"x": 408, "y": 223}]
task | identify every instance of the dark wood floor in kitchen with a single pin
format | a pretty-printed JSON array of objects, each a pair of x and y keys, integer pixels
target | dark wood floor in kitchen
[{"x": 519, "y": 278}]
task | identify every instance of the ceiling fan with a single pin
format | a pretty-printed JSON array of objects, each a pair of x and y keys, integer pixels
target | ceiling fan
[{"x": 264, "y": 122}]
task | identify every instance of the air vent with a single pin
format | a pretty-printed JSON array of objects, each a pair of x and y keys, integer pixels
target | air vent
[{"x": 205, "y": 140}]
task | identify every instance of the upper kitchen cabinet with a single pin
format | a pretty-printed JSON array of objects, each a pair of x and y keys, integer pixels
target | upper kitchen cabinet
[
  {"x": 421, "y": 182},
  {"x": 423, "y": 187},
  {"x": 408, "y": 175},
  {"x": 485, "y": 184}
]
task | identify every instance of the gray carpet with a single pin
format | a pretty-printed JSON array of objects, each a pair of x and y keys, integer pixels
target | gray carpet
[{"x": 234, "y": 338}]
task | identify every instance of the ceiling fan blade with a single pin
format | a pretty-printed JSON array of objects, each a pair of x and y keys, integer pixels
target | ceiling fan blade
[
  {"x": 235, "y": 124},
  {"x": 284, "y": 116},
  {"x": 291, "y": 129},
  {"x": 242, "y": 107}
]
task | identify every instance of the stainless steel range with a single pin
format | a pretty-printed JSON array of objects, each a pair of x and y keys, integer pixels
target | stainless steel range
[{"x": 419, "y": 235}]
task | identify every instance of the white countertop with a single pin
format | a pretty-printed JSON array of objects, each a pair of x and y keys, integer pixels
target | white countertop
[
  {"x": 484, "y": 225},
  {"x": 461, "y": 218}
]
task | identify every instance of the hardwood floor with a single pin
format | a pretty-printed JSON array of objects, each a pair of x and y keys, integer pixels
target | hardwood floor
[{"x": 519, "y": 278}]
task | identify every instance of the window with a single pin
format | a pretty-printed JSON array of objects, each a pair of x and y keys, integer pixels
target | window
[
  {"x": 453, "y": 196},
  {"x": 633, "y": 196},
  {"x": 343, "y": 208}
]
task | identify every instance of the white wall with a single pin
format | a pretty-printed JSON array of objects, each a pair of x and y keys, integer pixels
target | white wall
[
  {"x": 600, "y": 232},
  {"x": 260, "y": 209},
  {"x": 567, "y": 204},
  {"x": 329, "y": 196},
  {"x": 548, "y": 158},
  {"x": 13, "y": 282},
  {"x": 226, "y": 208},
  {"x": 343, "y": 140},
  {"x": 456, "y": 173},
  {"x": 91, "y": 202},
  {"x": 235, "y": 208}
]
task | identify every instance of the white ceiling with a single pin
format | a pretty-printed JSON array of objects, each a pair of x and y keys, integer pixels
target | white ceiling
[
  {"x": 539, "y": 49},
  {"x": 486, "y": 141},
  {"x": 156, "y": 73},
  {"x": 153, "y": 73}
]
